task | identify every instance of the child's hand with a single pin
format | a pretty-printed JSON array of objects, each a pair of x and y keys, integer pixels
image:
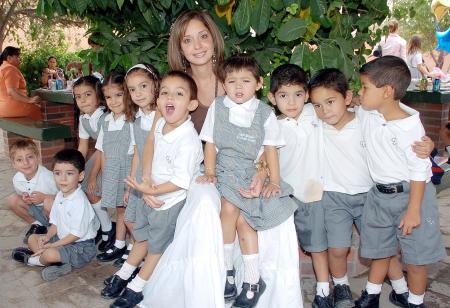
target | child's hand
[
  {"x": 38, "y": 252},
  {"x": 37, "y": 197},
  {"x": 206, "y": 179},
  {"x": 152, "y": 201},
  {"x": 271, "y": 190},
  {"x": 92, "y": 185},
  {"x": 126, "y": 196},
  {"x": 26, "y": 198},
  {"x": 144, "y": 187},
  {"x": 410, "y": 221},
  {"x": 42, "y": 240},
  {"x": 423, "y": 148},
  {"x": 256, "y": 186}
]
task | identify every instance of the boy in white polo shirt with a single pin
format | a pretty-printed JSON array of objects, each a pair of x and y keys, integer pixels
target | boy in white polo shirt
[
  {"x": 69, "y": 241},
  {"x": 401, "y": 208},
  {"x": 34, "y": 185},
  {"x": 176, "y": 161}
]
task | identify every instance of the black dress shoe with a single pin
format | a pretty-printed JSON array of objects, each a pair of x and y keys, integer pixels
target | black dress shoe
[
  {"x": 21, "y": 254},
  {"x": 105, "y": 245},
  {"x": 416, "y": 306},
  {"x": 368, "y": 300},
  {"x": 243, "y": 301},
  {"x": 127, "y": 299},
  {"x": 322, "y": 302},
  {"x": 34, "y": 229},
  {"x": 111, "y": 254},
  {"x": 114, "y": 288},
  {"x": 399, "y": 299},
  {"x": 230, "y": 292},
  {"x": 120, "y": 261},
  {"x": 98, "y": 237},
  {"x": 108, "y": 280},
  {"x": 342, "y": 296}
]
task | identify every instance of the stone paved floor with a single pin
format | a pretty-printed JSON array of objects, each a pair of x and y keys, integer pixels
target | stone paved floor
[{"x": 22, "y": 286}]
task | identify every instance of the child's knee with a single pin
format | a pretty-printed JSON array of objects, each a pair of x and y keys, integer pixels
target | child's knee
[
  {"x": 338, "y": 253},
  {"x": 50, "y": 255},
  {"x": 129, "y": 225},
  {"x": 229, "y": 210},
  {"x": 33, "y": 239},
  {"x": 13, "y": 201}
]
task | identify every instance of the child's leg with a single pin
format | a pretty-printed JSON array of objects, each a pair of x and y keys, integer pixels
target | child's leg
[
  {"x": 229, "y": 215},
  {"x": 417, "y": 282},
  {"x": 121, "y": 230},
  {"x": 248, "y": 241},
  {"x": 337, "y": 258},
  {"x": 395, "y": 274},
  {"x": 19, "y": 207},
  {"x": 377, "y": 273},
  {"x": 320, "y": 266},
  {"x": 103, "y": 216}
]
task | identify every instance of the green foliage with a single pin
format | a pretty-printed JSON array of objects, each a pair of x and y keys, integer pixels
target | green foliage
[{"x": 312, "y": 33}]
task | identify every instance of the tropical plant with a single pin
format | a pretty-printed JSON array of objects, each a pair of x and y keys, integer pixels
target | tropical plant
[{"x": 311, "y": 33}]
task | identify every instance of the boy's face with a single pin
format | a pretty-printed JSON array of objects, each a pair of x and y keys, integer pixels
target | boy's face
[
  {"x": 289, "y": 99},
  {"x": 371, "y": 96},
  {"x": 241, "y": 85},
  {"x": 26, "y": 161},
  {"x": 67, "y": 177},
  {"x": 174, "y": 100},
  {"x": 330, "y": 105}
]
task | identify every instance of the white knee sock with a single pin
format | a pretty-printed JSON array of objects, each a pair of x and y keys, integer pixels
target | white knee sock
[
  {"x": 36, "y": 223},
  {"x": 323, "y": 289},
  {"x": 342, "y": 280},
  {"x": 415, "y": 299},
  {"x": 35, "y": 261},
  {"x": 373, "y": 288},
  {"x": 228, "y": 255},
  {"x": 137, "y": 284},
  {"x": 119, "y": 244},
  {"x": 125, "y": 271},
  {"x": 251, "y": 268},
  {"x": 103, "y": 216},
  {"x": 400, "y": 286}
]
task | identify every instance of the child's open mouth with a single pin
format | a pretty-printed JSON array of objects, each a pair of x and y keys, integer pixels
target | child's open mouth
[{"x": 170, "y": 109}]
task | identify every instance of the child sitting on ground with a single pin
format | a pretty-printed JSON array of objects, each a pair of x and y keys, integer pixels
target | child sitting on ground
[
  {"x": 69, "y": 241},
  {"x": 34, "y": 185}
]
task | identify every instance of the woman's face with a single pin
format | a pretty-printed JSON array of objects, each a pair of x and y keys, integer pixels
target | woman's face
[
  {"x": 197, "y": 43},
  {"x": 14, "y": 60},
  {"x": 52, "y": 63}
]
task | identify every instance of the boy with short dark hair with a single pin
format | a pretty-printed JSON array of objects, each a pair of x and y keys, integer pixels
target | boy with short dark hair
[
  {"x": 34, "y": 185},
  {"x": 401, "y": 208},
  {"x": 69, "y": 241}
]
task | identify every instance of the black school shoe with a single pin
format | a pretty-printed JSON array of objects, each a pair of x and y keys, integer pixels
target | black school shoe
[
  {"x": 230, "y": 292},
  {"x": 128, "y": 299},
  {"x": 111, "y": 254},
  {"x": 108, "y": 280},
  {"x": 34, "y": 229},
  {"x": 114, "y": 288},
  {"x": 21, "y": 254},
  {"x": 322, "y": 302},
  {"x": 342, "y": 296},
  {"x": 120, "y": 261},
  {"x": 416, "y": 306},
  {"x": 400, "y": 300},
  {"x": 243, "y": 301},
  {"x": 368, "y": 300},
  {"x": 105, "y": 245}
]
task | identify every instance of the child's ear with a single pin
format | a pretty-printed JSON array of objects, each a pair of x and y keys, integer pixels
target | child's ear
[
  {"x": 193, "y": 104},
  {"x": 389, "y": 92},
  {"x": 260, "y": 83},
  {"x": 271, "y": 98},
  {"x": 348, "y": 97},
  {"x": 81, "y": 177}
]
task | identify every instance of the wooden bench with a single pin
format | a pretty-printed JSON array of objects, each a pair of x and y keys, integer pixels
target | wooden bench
[{"x": 48, "y": 136}]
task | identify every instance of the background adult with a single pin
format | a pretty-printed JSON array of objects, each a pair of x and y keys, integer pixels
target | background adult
[
  {"x": 14, "y": 101},
  {"x": 51, "y": 71},
  {"x": 414, "y": 58},
  {"x": 393, "y": 44}
]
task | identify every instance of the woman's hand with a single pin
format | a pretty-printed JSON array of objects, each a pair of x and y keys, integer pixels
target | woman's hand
[{"x": 256, "y": 185}]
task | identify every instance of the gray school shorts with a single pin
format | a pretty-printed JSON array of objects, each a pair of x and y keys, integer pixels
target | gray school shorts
[
  {"x": 77, "y": 254},
  {"x": 309, "y": 222},
  {"x": 156, "y": 227},
  {"x": 380, "y": 234},
  {"x": 38, "y": 213},
  {"x": 341, "y": 212},
  {"x": 134, "y": 199}
]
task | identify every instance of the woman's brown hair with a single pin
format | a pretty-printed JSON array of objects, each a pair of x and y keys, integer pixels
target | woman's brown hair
[{"x": 414, "y": 44}]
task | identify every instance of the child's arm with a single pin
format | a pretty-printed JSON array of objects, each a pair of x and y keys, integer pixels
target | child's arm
[
  {"x": 412, "y": 215},
  {"x": 273, "y": 187},
  {"x": 70, "y": 238},
  {"x": 83, "y": 146},
  {"x": 148, "y": 151},
  {"x": 210, "y": 164},
  {"x": 92, "y": 177},
  {"x": 37, "y": 197},
  {"x": 134, "y": 165}
]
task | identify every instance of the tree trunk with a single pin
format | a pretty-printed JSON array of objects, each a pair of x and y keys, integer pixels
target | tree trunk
[{"x": 4, "y": 21}]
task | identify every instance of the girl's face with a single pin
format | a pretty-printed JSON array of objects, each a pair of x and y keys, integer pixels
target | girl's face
[
  {"x": 114, "y": 97},
  {"x": 241, "y": 85},
  {"x": 197, "y": 44},
  {"x": 86, "y": 98},
  {"x": 142, "y": 90}
]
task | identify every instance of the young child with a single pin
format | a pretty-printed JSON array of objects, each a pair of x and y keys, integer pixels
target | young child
[
  {"x": 34, "y": 185},
  {"x": 142, "y": 82},
  {"x": 401, "y": 208},
  {"x": 69, "y": 241},
  {"x": 176, "y": 161},
  {"x": 301, "y": 166},
  {"x": 116, "y": 142},
  {"x": 241, "y": 128},
  {"x": 87, "y": 94}
]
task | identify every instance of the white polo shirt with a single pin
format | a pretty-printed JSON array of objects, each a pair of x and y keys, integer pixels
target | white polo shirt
[
  {"x": 345, "y": 159},
  {"x": 93, "y": 122},
  {"x": 176, "y": 159},
  {"x": 301, "y": 159},
  {"x": 388, "y": 146},
  {"x": 74, "y": 215},
  {"x": 146, "y": 119},
  {"x": 242, "y": 115},
  {"x": 43, "y": 181},
  {"x": 115, "y": 125}
]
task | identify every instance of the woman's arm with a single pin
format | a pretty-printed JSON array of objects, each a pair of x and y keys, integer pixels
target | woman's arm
[{"x": 21, "y": 97}]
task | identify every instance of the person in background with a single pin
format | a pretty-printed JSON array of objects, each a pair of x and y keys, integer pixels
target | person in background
[
  {"x": 414, "y": 58},
  {"x": 14, "y": 101},
  {"x": 393, "y": 44},
  {"x": 52, "y": 71}
]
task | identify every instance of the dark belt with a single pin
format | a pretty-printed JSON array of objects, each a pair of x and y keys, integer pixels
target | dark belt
[{"x": 390, "y": 188}]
